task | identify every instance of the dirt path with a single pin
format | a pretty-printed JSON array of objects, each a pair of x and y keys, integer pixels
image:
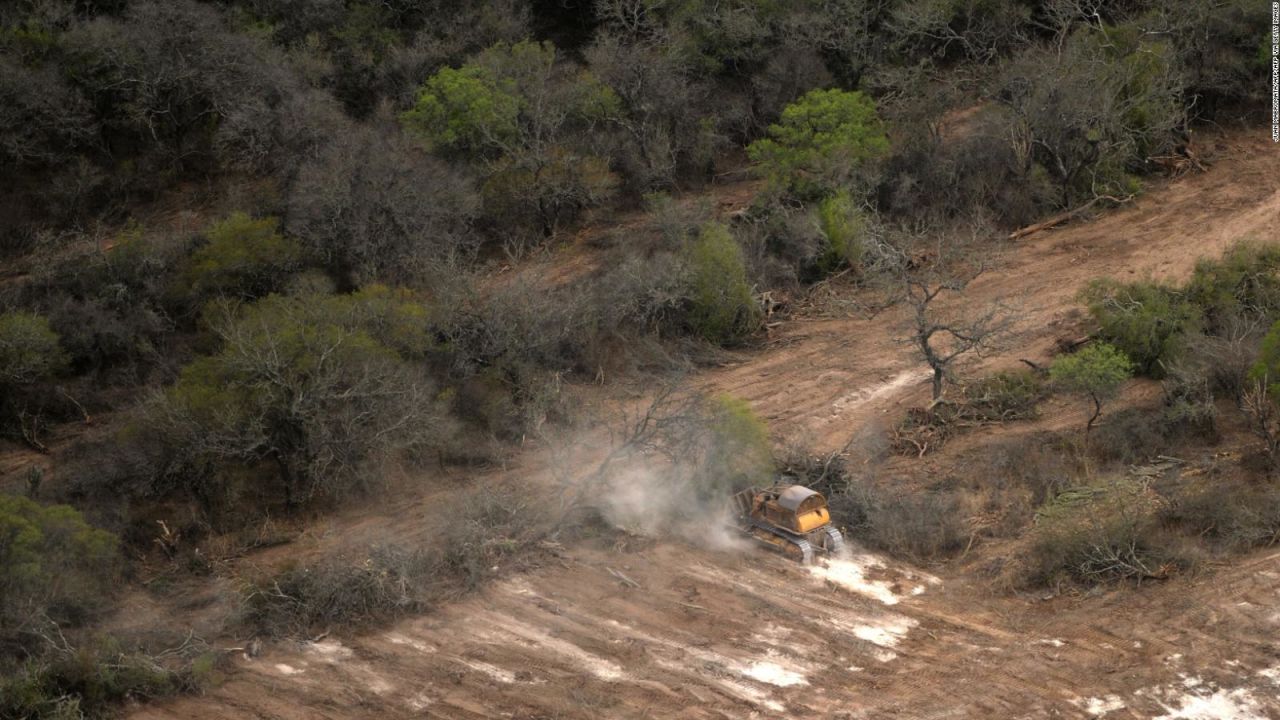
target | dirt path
[{"x": 748, "y": 635}]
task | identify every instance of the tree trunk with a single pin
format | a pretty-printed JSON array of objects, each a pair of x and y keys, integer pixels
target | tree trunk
[
  {"x": 937, "y": 382},
  {"x": 287, "y": 479},
  {"x": 1097, "y": 410}
]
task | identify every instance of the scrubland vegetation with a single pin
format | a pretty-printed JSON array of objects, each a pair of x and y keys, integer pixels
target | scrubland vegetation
[{"x": 255, "y": 243}]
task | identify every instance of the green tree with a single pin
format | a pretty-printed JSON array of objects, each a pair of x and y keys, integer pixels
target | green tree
[
  {"x": 1146, "y": 321},
  {"x": 322, "y": 387},
  {"x": 525, "y": 117},
  {"x": 466, "y": 111},
  {"x": 244, "y": 257},
  {"x": 54, "y": 565},
  {"x": 722, "y": 308},
  {"x": 1096, "y": 372},
  {"x": 29, "y": 349},
  {"x": 1266, "y": 369},
  {"x": 822, "y": 141}
]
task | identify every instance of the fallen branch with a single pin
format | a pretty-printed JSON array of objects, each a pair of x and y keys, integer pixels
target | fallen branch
[
  {"x": 622, "y": 578},
  {"x": 1064, "y": 217}
]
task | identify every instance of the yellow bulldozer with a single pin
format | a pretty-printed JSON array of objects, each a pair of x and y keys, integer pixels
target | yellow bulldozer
[{"x": 791, "y": 519}]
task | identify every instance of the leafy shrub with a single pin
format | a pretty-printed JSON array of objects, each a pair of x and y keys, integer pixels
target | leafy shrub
[
  {"x": 111, "y": 308},
  {"x": 54, "y": 564},
  {"x": 1144, "y": 320},
  {"x": 244, "y": 258},
  {"x": 738, "y": 453},
  {"x": 467, "y": 110},
  {"x": 722, "y": 309},
  {"x": 1189, "y": 385},
  {"x": 843, "y": 226},
  {"x": 1092, "y": 110},
  {"x": 1245, "y": 282},
  {"x": 1096, "y": 372},
  {"x": 1267, "y": 367},
  {"x": 1003, "y": 396},
  {"x": 822, "y": 141},
  {"x": 29, "y": 349},
  {"x": 522, "y": 112}
]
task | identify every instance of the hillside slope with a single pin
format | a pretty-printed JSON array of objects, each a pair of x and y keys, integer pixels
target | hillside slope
[{"x": 731, "y": 635}]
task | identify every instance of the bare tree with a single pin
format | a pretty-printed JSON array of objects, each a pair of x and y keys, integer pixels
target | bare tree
[
  {"x": 1259, "y": 408},
  {"x": 668, "y": 426},
  {"x": 942, "y": 336}
]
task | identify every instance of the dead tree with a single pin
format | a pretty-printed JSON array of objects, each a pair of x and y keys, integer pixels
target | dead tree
[{"x": 940, "y": 336}]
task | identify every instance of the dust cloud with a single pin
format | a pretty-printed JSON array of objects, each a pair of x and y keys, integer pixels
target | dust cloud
[{"x": 668, "y": 502}]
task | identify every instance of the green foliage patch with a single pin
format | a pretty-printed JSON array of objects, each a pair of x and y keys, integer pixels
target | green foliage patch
[
  {"x": 29, "y": 349},
  {"x": 722, "y": 308},
  {"x": 54, "y": 564},
  {"x": 821, "y": 142},
  {"x": 1147, "y": 321},
  {"x": 244, "y": 257}
]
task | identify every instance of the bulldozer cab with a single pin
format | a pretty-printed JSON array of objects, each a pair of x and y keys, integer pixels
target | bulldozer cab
[
  {"x": 798, "y": 509},
  {"x": 792, "y": 507}
]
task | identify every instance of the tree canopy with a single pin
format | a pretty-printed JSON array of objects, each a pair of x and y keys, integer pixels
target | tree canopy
[{"x": 821, "y": 142}]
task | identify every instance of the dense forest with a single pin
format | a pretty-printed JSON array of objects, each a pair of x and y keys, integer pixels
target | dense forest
[{"x": 251, "y": 244}]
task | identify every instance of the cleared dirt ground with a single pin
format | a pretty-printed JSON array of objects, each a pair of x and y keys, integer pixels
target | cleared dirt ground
[
  {"x": 745, "y": 635},
  {"x": 695, "y": 634}
]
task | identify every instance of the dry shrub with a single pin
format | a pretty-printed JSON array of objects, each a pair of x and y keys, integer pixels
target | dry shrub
[
  {"x": 1234, "y": 514},
  {"x": 485, "y": 531},
  {"x": 919, "y": 526},
  {"x": 1002, "y": 397},
  {"x": 1103, "y": 532},
  {"x": 66, "y": 682},
  {"x": 923, "y": 430},
  {"x": 491, "y": 530},
  {"x": 1036, "y": 462},
  {"x": 347, "y": 589},
  {"x": 1130, "y": 436}
]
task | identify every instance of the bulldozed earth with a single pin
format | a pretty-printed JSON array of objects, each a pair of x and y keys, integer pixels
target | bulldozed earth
[
  {"x": 654, "y": 627},
  {"x": 669, "y": 631}
]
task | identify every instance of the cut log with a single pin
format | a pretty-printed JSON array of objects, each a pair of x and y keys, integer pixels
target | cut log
[{"x": 1063, "y": 217}]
